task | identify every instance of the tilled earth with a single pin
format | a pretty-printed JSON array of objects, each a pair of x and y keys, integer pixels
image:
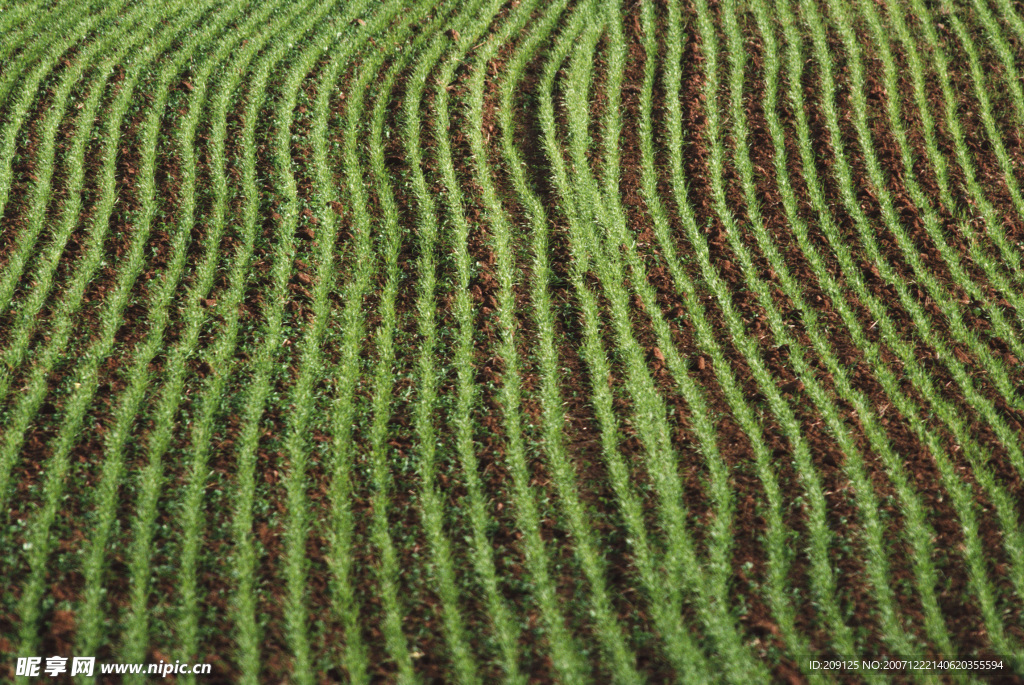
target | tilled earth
[{"x": 288, "y": 391}]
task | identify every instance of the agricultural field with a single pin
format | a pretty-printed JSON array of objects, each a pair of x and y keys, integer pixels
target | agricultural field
[{"x": 576, "y": 341}]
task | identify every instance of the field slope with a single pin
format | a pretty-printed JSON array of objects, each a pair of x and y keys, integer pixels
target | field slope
[{"x": 513, "y": 341}]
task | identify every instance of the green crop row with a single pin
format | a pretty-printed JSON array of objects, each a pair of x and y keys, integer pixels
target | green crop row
[{"x": 139, "y": 377}]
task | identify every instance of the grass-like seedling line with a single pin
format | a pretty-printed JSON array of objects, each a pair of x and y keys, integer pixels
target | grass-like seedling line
[
  {"x": 40, "y": 538},
  {"x": 117, "y": 438},
  {"x": 595, "y": 212}
]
